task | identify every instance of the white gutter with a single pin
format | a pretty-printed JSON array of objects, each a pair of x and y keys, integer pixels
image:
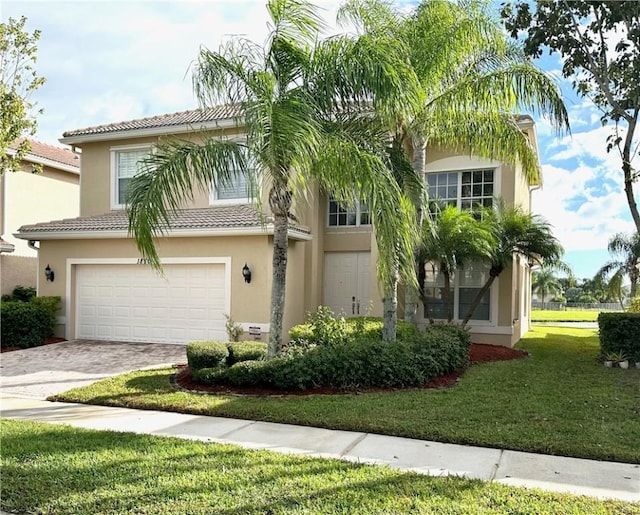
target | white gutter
[
  {"x": 177, "y": 233},
  {"x": 151, "y": 131}
]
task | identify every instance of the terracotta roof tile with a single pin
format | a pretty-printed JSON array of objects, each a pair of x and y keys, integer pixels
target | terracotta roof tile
[
  {"x": 205, "y": 218},
  {"x": 193, "y": 117},
  {"x": 57, "y": 154}
]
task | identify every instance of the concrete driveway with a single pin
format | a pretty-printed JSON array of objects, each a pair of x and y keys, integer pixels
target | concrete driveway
[{"x": 55, "y": 368}]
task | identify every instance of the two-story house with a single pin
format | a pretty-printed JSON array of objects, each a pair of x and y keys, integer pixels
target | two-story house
[
  {"x": 110, "y": 293},
  {"x": 46, "y": 187}
]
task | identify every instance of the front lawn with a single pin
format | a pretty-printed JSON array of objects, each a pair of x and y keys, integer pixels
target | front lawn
[
  {"x": 569, "y": 315},
  {"x": 560, "y": 400},
  {"x": 59, "y": 469}
]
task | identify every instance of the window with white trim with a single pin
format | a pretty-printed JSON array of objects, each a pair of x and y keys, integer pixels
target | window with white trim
[
  {"x": 465, "y": 286},
  {"x": 125, "y": 164},
  {"x": 237, "y": 190},
  {"x": 350, "y": 216},
  {"x": 466, "y": 189}
]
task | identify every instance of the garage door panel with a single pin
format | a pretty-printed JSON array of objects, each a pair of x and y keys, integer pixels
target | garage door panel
[{"x": 132, "y": 303}]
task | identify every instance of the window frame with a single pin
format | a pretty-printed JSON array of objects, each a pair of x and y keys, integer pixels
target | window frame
[
  {"x": 358, "y": 214},
  {"x": 114, "y": 178},
  {"x": 214, "y": 201}
]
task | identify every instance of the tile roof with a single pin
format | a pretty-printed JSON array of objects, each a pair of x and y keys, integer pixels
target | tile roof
[
  {"x": 193, "y": 117},
  {"x": 5, "y": 246},
  {"x": 219, "y": 217},
  {"x": 50, "y": 152}
]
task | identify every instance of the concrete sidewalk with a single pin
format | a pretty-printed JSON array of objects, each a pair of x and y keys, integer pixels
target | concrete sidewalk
[{"x": 553, "y": 473}]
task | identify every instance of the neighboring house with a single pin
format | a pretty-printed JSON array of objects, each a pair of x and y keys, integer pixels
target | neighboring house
[
  {"x": 47, "y": 187},
  {"x": 110, "y": 293}
]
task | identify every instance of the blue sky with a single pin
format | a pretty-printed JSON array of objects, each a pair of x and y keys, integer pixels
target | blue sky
[{"x": 108, "y": 61}]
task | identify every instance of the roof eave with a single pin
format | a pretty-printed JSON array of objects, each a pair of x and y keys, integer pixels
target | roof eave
[
  {"x": 267, "y": 230},
  {"x": 33, "y": 158},
  {"x": 163, "y": 130}
]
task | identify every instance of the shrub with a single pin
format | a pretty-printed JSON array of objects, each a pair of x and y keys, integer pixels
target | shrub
[
  {"x": 246, "y": 351},
  {"x": 365, "y": 362},
  {"x": 234, "y": 330},
  {"x": 20, "y": 294},
  {"x": 23, "y": 324},
  {"x": 619, "y": 333},
  {"x": 51, "y": 305},
  {"x": 206, "y": 354},
  {"x": 213, "y": 375},
  {"x": 634, "y": 307}
]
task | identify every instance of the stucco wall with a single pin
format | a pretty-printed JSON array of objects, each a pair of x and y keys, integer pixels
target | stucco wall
[
  {"x": 17, "y": 271},
  {"x": 31, "y": 198}
]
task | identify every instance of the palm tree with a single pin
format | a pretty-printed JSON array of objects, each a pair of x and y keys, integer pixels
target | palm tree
[
  {"x": 627, "y": 251},
  {"x": 451, "y": 238},
  {"x": 300, "y": 99},
  {"x": 545, "y": 281},
  {"x": 473, "y": 82},
  {"x": 517, "y": 232}
]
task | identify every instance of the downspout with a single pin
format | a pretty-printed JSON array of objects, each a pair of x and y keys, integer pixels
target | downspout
[{"x": 32, "y": 245}]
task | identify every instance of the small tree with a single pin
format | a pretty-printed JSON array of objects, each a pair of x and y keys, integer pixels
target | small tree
[
  {"x": 18, "y": 80},
  {"x": 515, "y": 232},
  {"x": 545, "y": 281},
  {"x": 627, "y": 251}
]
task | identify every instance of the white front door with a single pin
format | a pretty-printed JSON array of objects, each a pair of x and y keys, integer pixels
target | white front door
[
  {"x": 129, "y": 302},
  {"x": 346, "y": 282}
]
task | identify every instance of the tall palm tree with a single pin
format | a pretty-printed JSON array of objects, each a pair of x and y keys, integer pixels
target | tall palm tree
[
  {"x": 300, "y": 99},
  {"x": 473, "y": 83},
  {"x": 544, "y": 281},
  {"x": 517, "y": 232},
  {"x": 451, "y": 238},
  {"x": 627, "y": 251}
]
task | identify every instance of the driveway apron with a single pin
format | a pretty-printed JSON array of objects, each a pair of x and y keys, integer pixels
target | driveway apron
[{"x": 43, "y": 371}]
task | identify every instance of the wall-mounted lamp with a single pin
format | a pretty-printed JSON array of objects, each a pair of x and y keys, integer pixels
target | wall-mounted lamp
[
  {"x": 246, "y": 273},
  {"x": 49, "y": 274}
]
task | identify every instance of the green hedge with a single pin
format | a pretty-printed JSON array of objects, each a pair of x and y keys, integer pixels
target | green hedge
[
  {"x": 245, "y": 351},
  {"x": 206, "y": 354},
  {"x": 50, "y": 304},
  {"x": 366, "y": 362},
  {"x": 620, "y": 332},
  {"x": 23, "y": 324}
]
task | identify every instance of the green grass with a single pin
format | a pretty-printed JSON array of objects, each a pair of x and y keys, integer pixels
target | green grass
[
  {"x": 560, "y": 401},
  {"x": 62, "y": 470},
  {"x": 569, "y": 315}
]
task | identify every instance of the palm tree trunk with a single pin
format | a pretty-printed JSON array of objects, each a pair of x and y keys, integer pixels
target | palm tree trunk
[
  {"x": 390, "y": 311},
  {"x": 411, "y": 293},
  {"x": 448, "y": 298},
  {"x": 280, "y": 202},
  {"x": 477, "y": 300}
]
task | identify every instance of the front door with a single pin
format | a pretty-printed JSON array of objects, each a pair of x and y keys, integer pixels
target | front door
[{"x": 346, "y": 282}]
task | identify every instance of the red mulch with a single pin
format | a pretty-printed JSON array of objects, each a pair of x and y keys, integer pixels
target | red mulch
[
  {"x": 48, "y": 341},
  {"x": 478, "y": 353}
]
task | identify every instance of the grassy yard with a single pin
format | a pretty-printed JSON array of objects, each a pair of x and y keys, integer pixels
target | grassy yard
[
  {"x": 62, "y": 470},
  {"x": 560, "y": 400},
  {"x": 569, "y": 315}
]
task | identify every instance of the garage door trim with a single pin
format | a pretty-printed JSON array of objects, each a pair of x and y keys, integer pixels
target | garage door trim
[{"x": 71, "y": 308}]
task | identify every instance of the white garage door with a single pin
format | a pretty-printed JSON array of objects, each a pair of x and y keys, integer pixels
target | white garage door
[{"x": 133, "y": 303}]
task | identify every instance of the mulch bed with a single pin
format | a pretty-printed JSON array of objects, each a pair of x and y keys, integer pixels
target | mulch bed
[{"x": 477, "y": 354}]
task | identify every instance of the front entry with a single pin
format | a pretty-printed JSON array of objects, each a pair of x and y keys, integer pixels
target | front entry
[{"x": 346, "y": 282}]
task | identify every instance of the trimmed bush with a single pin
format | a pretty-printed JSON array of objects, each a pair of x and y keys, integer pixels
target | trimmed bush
[
  {"x": 24, "y": 324},
  {"x": 245, "y": 351},
  {"x": 366, "y": 362},
  {"x": 20, "y": 294},
  {"x": 620, "y": 332},
  {"x": 206, "y": 354},
  {"x": 50, "y": 304},
  {"x": 213, "y": 375},
  {"x": 634, "y": 307}
]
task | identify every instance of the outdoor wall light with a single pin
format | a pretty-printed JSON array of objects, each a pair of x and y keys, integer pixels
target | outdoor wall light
[
  {"x": 246, "y": 273},
  {"x": 49, "y": 274}
]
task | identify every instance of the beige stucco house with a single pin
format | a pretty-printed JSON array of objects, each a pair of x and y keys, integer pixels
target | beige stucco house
[
  {"x": 46, "y": 187},
  {"x": 110, "y": 293}
]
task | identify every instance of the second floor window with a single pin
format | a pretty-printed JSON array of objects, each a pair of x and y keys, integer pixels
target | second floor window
[
  {"x": 465, "y": 190},
  {"x": 238, "y": 190},
  {"x": 125, "y": 163},
  {"x": 349, "y": 216}
]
